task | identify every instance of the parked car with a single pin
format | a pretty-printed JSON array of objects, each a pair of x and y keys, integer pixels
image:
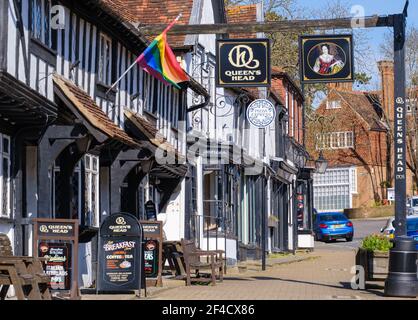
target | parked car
[
  {"x": 333, "y": 225},
  {"x": 411, "y": 228},
  {"x": 412, "y": 205}
]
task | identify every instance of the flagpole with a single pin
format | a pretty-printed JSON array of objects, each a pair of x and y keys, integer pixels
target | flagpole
[
  {"x": 136, "y": 60},
  {"x": 120, "y": 78}
]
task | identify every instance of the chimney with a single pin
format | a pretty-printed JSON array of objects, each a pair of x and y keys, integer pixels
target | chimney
[
  {"x": 386, "y": 69},
  {"x": 341, "y": 86}
]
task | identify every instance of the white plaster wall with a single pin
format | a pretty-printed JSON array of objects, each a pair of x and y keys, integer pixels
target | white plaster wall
[
  {"x": 230, "y": 250},
  {"x": 172, "y": 215},
  {"x": 85, "y": 272}
]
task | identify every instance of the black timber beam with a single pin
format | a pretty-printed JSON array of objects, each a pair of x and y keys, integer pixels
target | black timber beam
[
  {"x": 119, "y": 170},
  {"x": 54, "y": 141},
  {"x": 268, "y": 27}
]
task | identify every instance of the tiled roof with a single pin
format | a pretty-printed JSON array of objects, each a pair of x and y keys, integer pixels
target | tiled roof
[
  {"x": 239, "y": 14},
  {"x": 151, "y": 132},
  {"x": 366, "y": 105},
  {"x": 91, "y": 112},
  {"x": 147, "y": 12},
  {"x": 119, "y": 8}
]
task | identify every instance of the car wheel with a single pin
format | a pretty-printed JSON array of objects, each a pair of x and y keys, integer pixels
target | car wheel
[{"x": 349, "y": 239}]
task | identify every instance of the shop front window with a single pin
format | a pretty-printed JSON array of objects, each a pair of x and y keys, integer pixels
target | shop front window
[{"x": 5, "y": 164}]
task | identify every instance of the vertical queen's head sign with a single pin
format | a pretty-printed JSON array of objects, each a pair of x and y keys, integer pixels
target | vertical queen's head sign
[{"x": 326, "y": 58}]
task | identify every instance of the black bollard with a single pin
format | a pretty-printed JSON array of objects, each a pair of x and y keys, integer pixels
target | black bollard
[{"x": 402, "y": 278}]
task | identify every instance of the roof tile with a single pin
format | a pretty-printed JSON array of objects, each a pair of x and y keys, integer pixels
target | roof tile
[{"x": 91, "y": 111}]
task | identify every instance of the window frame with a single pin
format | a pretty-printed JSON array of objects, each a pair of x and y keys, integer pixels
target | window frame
[
  {"x": 107, "y": 80},
  {"x": 40, "y": 29},
  {"x": 91, "y": 175},
  {"x": 333, "y": 104},
  {"x": 5, "y": 156},
  {"x": 334, "y": 140}
]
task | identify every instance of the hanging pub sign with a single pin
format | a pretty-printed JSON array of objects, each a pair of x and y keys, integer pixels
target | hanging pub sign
[
  {"x": 57, "y": 240},
  {"x": 243, "y": 63},
  {"x": 261, "y": 113},
  {"x": 326, "y": 58},
  {"x": 120, "y": 254}
]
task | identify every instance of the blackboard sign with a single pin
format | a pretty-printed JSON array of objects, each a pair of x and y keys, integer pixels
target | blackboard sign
[
  {"x": 150, "y": 210},
  {"x": 243, "y": 62},
  {"x": 58, "y": 265},
  {"x": 120, "y": 253},
  {"x": 57, "y": 239},
  {"x": 153, "y": 249},
  {"x": 151, "y": 258}
]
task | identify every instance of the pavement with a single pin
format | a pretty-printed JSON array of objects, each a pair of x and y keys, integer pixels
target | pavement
[{"x": 324, "y": 274}]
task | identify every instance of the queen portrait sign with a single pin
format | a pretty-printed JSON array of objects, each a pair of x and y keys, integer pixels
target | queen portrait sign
[{"x": 261, "y": 113}]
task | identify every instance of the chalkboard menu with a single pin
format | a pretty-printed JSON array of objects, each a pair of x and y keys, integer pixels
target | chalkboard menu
[
  {"x": 120, "y": 253},
  {"x": 151, "y": 258},
  {"x": 57, "y": 239},
  {"x": 58, "y": 265},
  {"x": 153, "y": 248}
]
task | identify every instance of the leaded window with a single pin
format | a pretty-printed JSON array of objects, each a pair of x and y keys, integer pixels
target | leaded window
[
  {"x": 91, "y": 190},
  {"x": 335, "y": 140},
  {"x": 5, "y": 165},
  {"x": 40, "y": 21},
  {"x": 105, "y": 58},
  {"x": 333, "y": 190}
]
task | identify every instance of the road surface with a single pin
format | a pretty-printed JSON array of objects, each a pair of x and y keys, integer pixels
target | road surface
[{"x": 362, "y": 228}]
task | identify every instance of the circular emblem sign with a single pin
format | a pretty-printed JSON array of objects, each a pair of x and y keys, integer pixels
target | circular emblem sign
[{"x": 261, "y": 113}]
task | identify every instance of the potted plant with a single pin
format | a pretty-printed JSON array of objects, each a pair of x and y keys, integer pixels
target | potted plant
[{"x": 373, "y": 256}]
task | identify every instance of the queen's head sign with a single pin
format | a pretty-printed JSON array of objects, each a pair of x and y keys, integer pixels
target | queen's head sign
[
  {"x": 326, "y": 58},
  {"x": 243, "y": 62}
]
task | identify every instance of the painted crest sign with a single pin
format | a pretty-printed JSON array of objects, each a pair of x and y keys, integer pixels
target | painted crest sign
[
  {"x": 261, "y": 113},
  {"x": 243, "y": 62},
  {"x": 326, "y": 58}
]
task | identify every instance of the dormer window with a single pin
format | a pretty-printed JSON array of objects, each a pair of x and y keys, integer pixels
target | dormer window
[{"x": 333, "y": 104}]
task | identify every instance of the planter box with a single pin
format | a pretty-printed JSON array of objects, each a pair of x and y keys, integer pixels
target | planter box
[{"x": 375, "y": 264}]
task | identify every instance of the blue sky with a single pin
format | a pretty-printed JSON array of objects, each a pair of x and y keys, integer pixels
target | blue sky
[{"x": 371, "y": 7}]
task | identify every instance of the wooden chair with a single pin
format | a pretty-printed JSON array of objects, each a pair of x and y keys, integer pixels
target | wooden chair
[
  {"x": 26, "y": 274},
  {"x": 192, "y": 259}
]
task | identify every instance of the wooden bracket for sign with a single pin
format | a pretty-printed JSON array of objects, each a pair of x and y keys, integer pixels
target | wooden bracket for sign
[
  {"x": 153, "y": 230},
  {"x": 64, "y": 231}
]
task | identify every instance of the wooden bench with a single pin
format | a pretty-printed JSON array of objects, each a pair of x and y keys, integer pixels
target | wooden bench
[
  {"x": 192, "y": 260},
  {"x": 26, "y": 274}
]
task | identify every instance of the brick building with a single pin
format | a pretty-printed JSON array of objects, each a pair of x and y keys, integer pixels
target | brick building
[{"x": 352, "y": 130}]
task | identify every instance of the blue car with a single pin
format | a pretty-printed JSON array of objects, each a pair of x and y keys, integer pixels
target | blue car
[
  {"x": 412, "y": 229},
  {"x": 331, "y": 226}
]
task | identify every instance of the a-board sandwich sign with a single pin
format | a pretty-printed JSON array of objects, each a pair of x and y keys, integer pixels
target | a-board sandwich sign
[
  {"x": 243, "y": 63},
  {"x": 57, "y": 240},
  {"x": 120, "y": 254},
  {"x": 153, "y": 247},
  {"x": 326, "y": 58}
]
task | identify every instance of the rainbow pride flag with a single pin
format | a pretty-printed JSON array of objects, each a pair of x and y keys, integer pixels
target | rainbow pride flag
[{"x": 159, "y": 60}]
